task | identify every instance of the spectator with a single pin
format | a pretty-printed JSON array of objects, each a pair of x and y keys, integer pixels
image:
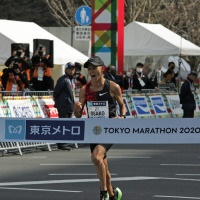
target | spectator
[
  {"x": 147, "y": 71},
  {"x": 80, "y": 79},
  {"x": 13, "y": 79},
  {"x": 187, "y": 96},
  {"x": 167, "y": 81},
  {"x": 167, "y": 77},
  {"x": 111, "y": 75},
  {"x": 24, "y": 63},
  {"x": 140, "y": 80},
  {"x": 42, "y": 65},
  {"x": 63, "y": 95},
  {"x": 171, "y": 66},
  {"x": 1, "y": 86},
  {"x": 128, "y": 80}
]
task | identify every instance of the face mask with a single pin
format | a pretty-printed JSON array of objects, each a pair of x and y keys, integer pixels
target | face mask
[
  {"x": 113, "y": 72},
  {"x": 139, "y": 70},
  {"x": 128, "y": 74}
]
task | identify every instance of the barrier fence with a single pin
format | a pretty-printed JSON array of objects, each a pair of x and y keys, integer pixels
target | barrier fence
[{"x": 34, "y": 104}]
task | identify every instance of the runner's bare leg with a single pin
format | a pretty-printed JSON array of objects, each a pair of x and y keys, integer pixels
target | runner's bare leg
[
  {"x": 97, "y": 159},
  {"x": 108, "y": 179}
]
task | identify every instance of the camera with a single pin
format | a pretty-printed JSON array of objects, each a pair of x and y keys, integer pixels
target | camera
[
  {"x": 41, "y": 52},
  {"x": 19, "y": 53},
  {"x": 15, "y": 66}
]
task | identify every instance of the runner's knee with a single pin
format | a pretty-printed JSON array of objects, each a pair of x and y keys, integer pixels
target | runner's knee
[{"x": 96, "y": 159}]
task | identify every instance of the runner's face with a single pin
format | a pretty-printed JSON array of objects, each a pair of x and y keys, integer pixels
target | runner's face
[{"x": 95, "y": 72}]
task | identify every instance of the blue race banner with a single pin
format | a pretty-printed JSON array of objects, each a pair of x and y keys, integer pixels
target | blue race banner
[
  {"x": 101, "y": 130},
  {"x": 55, "y": 130}
]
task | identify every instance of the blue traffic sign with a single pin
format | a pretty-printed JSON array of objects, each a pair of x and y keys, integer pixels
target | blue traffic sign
[{"x": 83, "y": 15}]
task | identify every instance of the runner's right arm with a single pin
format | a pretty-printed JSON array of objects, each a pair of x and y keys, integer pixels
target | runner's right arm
[{"x": 79, "y": 105}]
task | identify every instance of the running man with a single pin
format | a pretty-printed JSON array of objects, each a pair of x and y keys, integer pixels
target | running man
[{"x": 100, "y": 89}]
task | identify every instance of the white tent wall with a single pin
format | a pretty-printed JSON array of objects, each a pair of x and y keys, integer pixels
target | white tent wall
[
  {"x": 154, "y": 39},
  {"x": 143, "y": 40}
]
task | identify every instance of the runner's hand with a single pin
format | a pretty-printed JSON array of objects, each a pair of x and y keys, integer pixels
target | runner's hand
[{"x": 78, "y": 107}]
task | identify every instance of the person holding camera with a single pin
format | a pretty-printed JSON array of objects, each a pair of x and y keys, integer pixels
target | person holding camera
[
  {"x": 80, "y": 80},
  {"x": 18, "y": 58},
  {"x": 42, "y": 65},
  {"x": 13, "y": 79}
]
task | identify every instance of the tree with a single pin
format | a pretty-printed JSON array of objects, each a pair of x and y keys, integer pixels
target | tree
[{"x": 180, "y": 16}]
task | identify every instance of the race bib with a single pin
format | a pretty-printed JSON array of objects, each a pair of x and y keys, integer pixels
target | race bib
[
  {"x": 14, "y": 87},
  {"x": 40, "y": 73},
  {"x": 141, "y": 82},
  {"x": 98, "y": 109}
]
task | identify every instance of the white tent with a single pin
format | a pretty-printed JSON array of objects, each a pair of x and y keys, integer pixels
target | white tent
[
  {"x": 141, "y": 39},
  {"x": 25, "y": 32}
]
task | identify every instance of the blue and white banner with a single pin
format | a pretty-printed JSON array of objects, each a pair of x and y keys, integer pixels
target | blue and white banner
[
  {"x": 121, "y": 131},
  {"x": 158, "y": 105},
  {"x": 21, "y": 108},
  {"x": 141, "y": 106}
]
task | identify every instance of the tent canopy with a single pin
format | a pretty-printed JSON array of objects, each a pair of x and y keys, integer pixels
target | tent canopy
[
  {"x": 154, "y": 39},
  {"x": 25, "y": 32}
]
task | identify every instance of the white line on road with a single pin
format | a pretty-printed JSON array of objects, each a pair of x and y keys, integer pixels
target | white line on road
[
  {"x": 137, "y": 178},
  {"x": 38, "y": 157},
  {"x": 43, "y": 190},
  {"x": 71, "y": 174},
  {"x": 126, "y": 157},
  {"x": 175, "y": 197},
  {"x": 75, "y": 181},
  {"x": 66, "y": 164},
  {"x": 186, "y": 165},
  {"x": 187, "y": 174}
]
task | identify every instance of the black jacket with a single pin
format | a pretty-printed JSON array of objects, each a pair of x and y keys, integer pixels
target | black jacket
[
  {"x": 186, "y": 97},
  {"x": 63, "y": 95},
  {"x": 148, "y": 83},
  {"x": 26, "y": 62},
  {"x": 117, "y": 78}
]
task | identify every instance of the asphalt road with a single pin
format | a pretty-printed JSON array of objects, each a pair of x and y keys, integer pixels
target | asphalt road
[{"x": 143, "y": 172}]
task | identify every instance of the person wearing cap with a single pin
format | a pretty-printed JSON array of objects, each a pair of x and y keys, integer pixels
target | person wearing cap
[
  {"x": 187, "y": 96},
  {"x": 63, "y": 95},
  {"x": 108, "y": 92}
]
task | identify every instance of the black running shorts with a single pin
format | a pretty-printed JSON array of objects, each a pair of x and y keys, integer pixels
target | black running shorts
[{"x": 106, "y": 147}]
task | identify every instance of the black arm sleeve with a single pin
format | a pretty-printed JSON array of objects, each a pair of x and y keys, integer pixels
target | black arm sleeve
[
  {"x": 24, "y": 79},
  {"x": 8, "y": 61},
  {"x": 26, "y": 62}
]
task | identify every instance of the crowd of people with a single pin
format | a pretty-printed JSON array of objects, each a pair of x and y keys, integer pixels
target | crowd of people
[{"x": 23, "y": 74}]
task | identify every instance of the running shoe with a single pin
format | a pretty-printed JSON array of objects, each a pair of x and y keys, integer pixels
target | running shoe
[
  {"x": 117, "y": 194},
  {"x": 104, "y": 195}
]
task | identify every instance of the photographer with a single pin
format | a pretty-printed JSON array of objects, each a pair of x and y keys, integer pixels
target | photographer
[
  {"x": 19, "y": 58},
  {"x": 13, "y": 79},
  {"x": 42, "y": 65}
]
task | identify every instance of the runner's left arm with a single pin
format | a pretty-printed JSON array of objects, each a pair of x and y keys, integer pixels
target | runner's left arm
[{"x": 117, "y": 94}]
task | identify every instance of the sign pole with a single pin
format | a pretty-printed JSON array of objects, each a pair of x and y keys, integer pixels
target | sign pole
[{"x": 72, "y": 30}]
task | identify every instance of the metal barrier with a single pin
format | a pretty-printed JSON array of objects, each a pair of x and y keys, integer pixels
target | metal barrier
[
  {"x": 6, "y": 147},
  {"x": 26, "y": 93},
  {"x": 146, "y": 91}
]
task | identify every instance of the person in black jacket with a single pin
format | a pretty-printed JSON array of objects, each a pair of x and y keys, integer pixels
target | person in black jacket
[
  {"x": 128, "y": 80},
  {"x": 140, "y": 80},
  {"x": 111, "y": 75},
  {"x": 187, "y": 96},
  {"x": 63, "y": 95}
]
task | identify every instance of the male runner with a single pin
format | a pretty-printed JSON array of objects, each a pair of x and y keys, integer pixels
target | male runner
[{"x": 100, "y": 89}]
